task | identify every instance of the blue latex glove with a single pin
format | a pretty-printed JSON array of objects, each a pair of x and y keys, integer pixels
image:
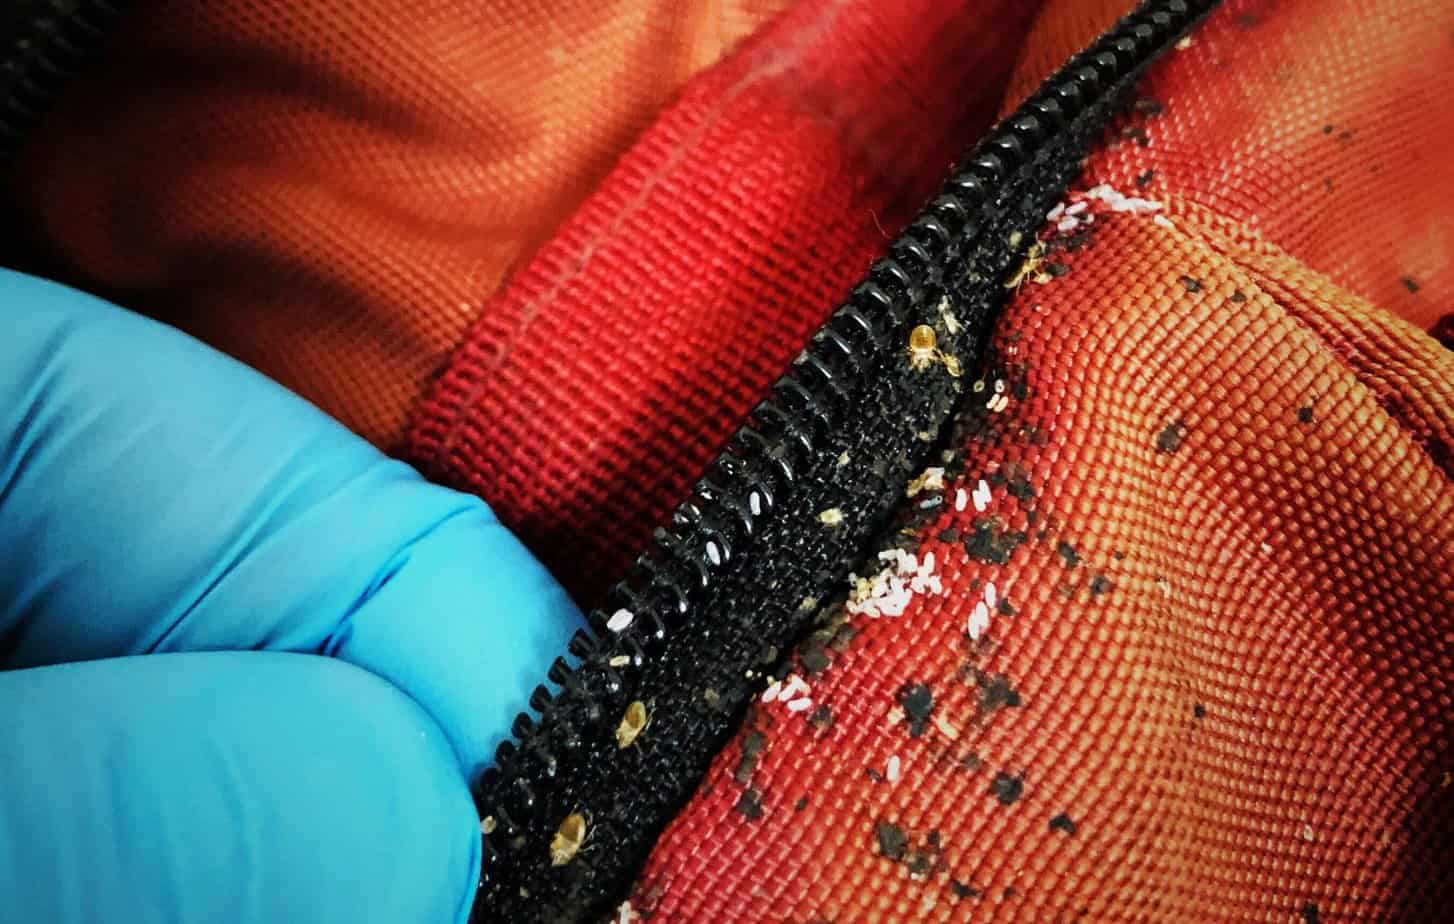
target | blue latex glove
[{"x": 247, "y": 663}]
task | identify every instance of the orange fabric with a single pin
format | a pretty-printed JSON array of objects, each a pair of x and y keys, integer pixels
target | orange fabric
[
  {"x": 332, "y": 191},
  {"x": 1217, "y": 680}
]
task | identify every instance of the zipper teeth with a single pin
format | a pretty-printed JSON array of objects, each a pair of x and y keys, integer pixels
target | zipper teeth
[
  {"x": 749, "y": 481},
  {"x": 51, "y": 46}
]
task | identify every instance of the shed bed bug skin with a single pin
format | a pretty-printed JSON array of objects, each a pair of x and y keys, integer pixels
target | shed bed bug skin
[
  {"x": 568, "y": 839},
  {"x": 633, "y": 723}
]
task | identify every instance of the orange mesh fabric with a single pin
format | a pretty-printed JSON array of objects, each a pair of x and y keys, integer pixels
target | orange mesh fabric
[
  {"x": 1193, "y": 658},
  {"x": 332, "y": 191}
]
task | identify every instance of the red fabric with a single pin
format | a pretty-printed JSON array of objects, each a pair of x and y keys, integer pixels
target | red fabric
[{"x": 600, "y": 383}]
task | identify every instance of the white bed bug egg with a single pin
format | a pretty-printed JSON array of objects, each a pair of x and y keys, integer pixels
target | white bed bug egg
[
  {"x": 979, "y": 620},
  {"x": 892, "y": 771},
  {"x": 569, "y": 838},
  {"x": 714, "y": 553},
  {"x": 754, "y": 503},
  {"x": 802, "y": 704},
  {"x": 961, "y": 499},
  {"x": 982, "y": 496},
  {"x": 990, "y": 596},
  {"x": 620, "y": 620},
  {"x": 771, "y": 693},
  {"x": 633, "y": 723}
]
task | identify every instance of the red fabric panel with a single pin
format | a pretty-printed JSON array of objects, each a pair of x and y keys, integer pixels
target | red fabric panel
[{"x": 597, "y": 387}]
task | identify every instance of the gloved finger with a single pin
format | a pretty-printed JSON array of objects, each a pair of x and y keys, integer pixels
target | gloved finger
[
  {"x": 231, "y": 787},
  {"x": 156, "y": 496}
]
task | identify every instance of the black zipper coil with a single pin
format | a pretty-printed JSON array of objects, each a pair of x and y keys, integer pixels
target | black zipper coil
[
  {"x": 570, "y": 814},
  {"x": 44, "y": 44}
]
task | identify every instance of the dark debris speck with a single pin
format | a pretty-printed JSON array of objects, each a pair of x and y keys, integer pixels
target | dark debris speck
[
  {"x": 815, "y": 659},
  {"x": 1192, "y": 284},
  {"x": 1170, "y": 438},
  {"x": 821, "y": 718},
  {"x": 1144, "y": 179},
  {"x": 1067, "y": 551},
  {"x": 1310, "y": 913},
  {"x": 1007, "y": 788},
  {"x": 1199, "y": 711},
  {"x": 949, "y": 534},
  {"x": 1305, "y": 414},
  {"x": 1005, "y": 607},
  {"x": 962, "y": 890},
  {"x": 995, "y": 692},
  {"x": 1409, "y": 283},
  {"x": 752, "y": 745},
  {"x": 1238, "y": 296},
  {"x": 1100, "y": 585},
  {"x": 990, "y": 542},
  {"x": 801, "y": 804},
  {"x": 1055, "y": 270},
  {"x": 918, "y": 702},
  {"x": 891, "y": 840},
  {"x": 1063, "y": 823},
  {"x": 749, "y": 805}
]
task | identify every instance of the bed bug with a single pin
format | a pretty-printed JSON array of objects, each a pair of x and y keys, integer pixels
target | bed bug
[
  {"x": 633, "y": 723},
  {"x": 924, "y": 351},
  {"x": 569, "y": 838}
]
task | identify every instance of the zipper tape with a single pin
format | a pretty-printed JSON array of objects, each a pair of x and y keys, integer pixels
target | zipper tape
[
  {"x": 573, "y": 805},
  {"x": 44, "y": 44}
]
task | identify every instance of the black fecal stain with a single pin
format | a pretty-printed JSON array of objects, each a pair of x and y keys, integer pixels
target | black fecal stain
[
  {"x": 971, "y": 761},
  {"x": 1055, "y": 270},
  {"x": 749, "y": 806},
  {"x": 874, "y": 775},
  {"x": 815, "y": 659},
  {"x": 1148, "y": 107},
  {"x": 991, "y": 542},
  {"x": 933, "y": 839},
  {"x": 1144, "y": 178},
  {"x": 752, "y": 745},
  {"x": 1021, "y": 489},
  {"x": 1199, "y": 711},
  {"x": 1305, "y": 414},
  {"x": 1007, "y": 788},
  {"x": 1009, "y": 893},
  {"x": 1409, "y": 283},
  {"x": 1137, "y": 134},
  {"x": 1063, "y": 823},
  {"x": 918, "y": 703},
  {"x": 1238, "y": 296},
  {"x": 1118, "y": 555},
  {"x": 1067, "y": 551},
  {"x": 1245, "y": 21},
  {"x": 1192, "y": 284},
  {"x": 949, "y": 534},
  {"x": 891, "y": 840},
  {"x": 843, "y": 638},
  {"x": 962, "y": 890},
  {"x": 1346, "y": 137},
  {"x": 995, "y": 692},
  {"x": 1004, "y": 606},
  {"x": 1310, "y": 913},
  {"x": 821, "y": 718},
  {"x": 919, "y": 864},
  {"x": 1170, "y": 438},
  {"x": 801, "y": 804},
  {"x": 1100, "y": 585}
]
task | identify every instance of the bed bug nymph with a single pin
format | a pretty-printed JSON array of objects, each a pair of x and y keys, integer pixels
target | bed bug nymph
[
  {"x": 569, "y": 838},
  {"x": 633, "y": 723},
  {"x": 924, "y": 351}
]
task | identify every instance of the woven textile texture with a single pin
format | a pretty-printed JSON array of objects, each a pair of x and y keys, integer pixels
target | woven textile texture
[
  {"x": 1193, "y": 658},
  {"x": 332, "y": 191}
]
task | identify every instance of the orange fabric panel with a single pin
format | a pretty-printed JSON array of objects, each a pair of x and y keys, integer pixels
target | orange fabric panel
[
  {"x": 332, "y": 191},
  {"x": 1216, "y": 676}
]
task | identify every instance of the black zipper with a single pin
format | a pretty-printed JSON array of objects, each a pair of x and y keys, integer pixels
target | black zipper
[
  {"x": 573, "y": 805},
  {"x": 44, "y": 44}
]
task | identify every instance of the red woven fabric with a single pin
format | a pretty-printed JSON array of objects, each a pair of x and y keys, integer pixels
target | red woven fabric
[
  {"x": 1214, "y": 680},
  {"x": 595, "y": 390}
]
